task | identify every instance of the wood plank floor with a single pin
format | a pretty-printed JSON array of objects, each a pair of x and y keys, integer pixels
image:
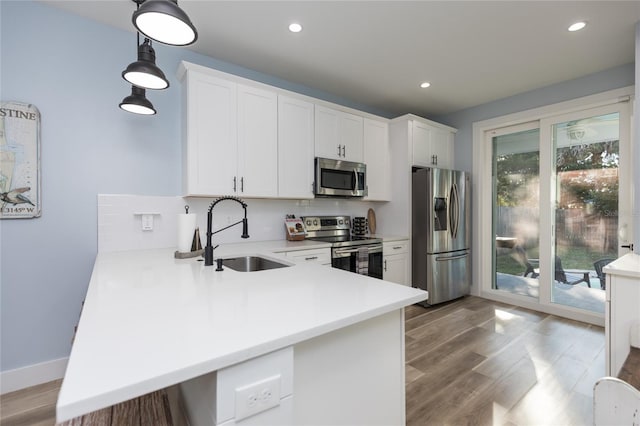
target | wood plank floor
[
  {"x": 469, "y": 362},
  {"x": 479, "y": 362}
]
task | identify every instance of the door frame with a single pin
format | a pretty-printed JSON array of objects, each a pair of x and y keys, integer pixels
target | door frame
[{"x": 482, "y": 238}]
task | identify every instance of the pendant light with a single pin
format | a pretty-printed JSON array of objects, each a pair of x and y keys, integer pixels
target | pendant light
[
  {"x": 144, "y": 73},
  {"x": 137, "y": 102},
  {"x": 164, "y": 21}
]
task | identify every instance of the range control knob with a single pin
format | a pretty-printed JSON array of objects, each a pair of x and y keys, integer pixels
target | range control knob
[
  {"x": 315, "y": 222},
  {"x": 340, "y": 221}
]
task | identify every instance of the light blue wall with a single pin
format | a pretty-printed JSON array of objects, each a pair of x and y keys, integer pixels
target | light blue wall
[
  {"x": 69, "y": 67},
  {"x": 613, "y": 78}
]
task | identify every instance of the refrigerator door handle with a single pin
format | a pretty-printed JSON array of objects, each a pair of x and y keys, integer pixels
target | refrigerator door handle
[
  {"x": 454, "y": 211},
  {"x": 444, "y": 259}
]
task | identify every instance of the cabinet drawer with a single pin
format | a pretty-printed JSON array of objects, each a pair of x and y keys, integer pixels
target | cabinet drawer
[
  {"x": 322, "y": 256},
  {"x": 395, "y": 247}
]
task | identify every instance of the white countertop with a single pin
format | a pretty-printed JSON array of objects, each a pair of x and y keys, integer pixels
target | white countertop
[
  {"x": 150, "y": 321},
  {"x": 627, "y": 265}
]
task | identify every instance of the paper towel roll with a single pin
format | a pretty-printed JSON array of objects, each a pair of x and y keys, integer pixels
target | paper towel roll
[{"x": 186, "y": 228}]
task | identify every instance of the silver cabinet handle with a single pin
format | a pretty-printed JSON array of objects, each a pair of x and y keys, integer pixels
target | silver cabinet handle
[
  {"x": 339, "y": 150},
  {"x": 385, "y": 265},
  {"x": 311, "y": 258},
  {"x": 242, "y": 184},
  {"x": 234, "y": 184},
  {"x": 344, "y": 150},
  {"x": 397, "y": 247}
]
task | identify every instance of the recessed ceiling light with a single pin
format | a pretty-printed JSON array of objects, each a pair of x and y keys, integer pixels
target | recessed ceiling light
[
  {"x": 577, "y": 26},
  {"x": 425, "y": 84},
  {"x": 295, "y": 28}
]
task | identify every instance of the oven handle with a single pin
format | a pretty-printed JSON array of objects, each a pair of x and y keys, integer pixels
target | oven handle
[{"x": 372, "y": 249}]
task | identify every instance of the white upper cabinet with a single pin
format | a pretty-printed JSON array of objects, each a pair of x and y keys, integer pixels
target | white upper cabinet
[
  {"x": 295, "y": 148},
  {"x": 252, "y": 140},
  {"x": 257, "y": 172},
  {"x": 338, "y": 134},
  {"x": 432, "y": 144},
  {"x": 377, "y": 157},
  {"x": 230, "y": 142},
  {"x": 210, "y": 135}
]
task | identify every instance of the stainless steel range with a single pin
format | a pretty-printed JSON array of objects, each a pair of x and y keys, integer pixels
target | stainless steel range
[{"x": 356, "y": 253}]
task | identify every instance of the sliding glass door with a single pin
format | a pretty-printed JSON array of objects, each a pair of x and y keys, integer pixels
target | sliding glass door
[
  {"x": 560, "y": 206},
  {"x": 516, "y": 212},
  {"x": 587, "y": 162}
]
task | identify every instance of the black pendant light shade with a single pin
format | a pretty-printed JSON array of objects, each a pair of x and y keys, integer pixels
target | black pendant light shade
[
  {"x": 144, "y": 73},
  {"x": 164, "y": 21},
  {"x": 137, "y": 102}
]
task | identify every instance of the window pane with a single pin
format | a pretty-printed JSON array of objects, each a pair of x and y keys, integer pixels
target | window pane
[
  {"x": 516, "y": 164},
  {"x": 586, "y": 217}
]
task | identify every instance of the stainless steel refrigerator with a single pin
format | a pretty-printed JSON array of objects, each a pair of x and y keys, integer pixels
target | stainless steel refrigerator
[{"x": 441, "y": 243}]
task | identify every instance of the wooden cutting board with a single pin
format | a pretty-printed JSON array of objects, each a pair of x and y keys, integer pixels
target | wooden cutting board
[{"x": 371, "y": 218}]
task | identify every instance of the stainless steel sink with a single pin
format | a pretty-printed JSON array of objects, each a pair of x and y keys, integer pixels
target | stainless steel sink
[{"x": 252, "y": 263}]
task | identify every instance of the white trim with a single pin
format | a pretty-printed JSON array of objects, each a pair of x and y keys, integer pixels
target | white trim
[
  {"x": 31, "y": 375},
  {"x": 482, "y": 259}
]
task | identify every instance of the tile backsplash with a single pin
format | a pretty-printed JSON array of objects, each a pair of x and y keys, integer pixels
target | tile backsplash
[{"x": 120, "y": 218}]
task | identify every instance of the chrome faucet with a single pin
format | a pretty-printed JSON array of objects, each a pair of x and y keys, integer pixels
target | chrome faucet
[{"x": 208, "y": 249}]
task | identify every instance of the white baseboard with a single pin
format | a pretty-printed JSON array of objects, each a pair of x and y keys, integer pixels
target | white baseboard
[{"x": 31, "y": 375}]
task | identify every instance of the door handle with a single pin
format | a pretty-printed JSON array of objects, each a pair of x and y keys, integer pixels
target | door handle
[
  {"x": 628, "y": 246},
  {"x": 385, "y": 265},
  {"x": 344, "y": 150},
  {"x": 234, "y": 184},
  {"x": 444, "y": 259},
  {"x": 242, "y": 184},
  {"x": 339, "y": 150}
]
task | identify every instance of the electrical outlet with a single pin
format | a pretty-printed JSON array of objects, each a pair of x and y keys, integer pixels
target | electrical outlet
[
  {"x": 257, "y": 397},
  {"x": 147, "y": 222}
]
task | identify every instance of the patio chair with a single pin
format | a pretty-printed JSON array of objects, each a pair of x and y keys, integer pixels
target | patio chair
[
  {"x": 560, "y": 273},
  {"x": 598, "y": 265}
]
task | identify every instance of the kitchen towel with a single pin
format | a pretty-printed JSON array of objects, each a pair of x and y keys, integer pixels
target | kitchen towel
[
  {"x": 186, "y": 228},
  {"x": 362, "y": 264}
]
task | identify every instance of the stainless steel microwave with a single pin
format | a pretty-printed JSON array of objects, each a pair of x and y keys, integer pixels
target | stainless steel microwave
[{"x": 338, "y": 178}]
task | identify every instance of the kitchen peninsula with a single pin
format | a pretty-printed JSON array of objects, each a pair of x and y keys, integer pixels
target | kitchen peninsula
[{"x": 332, "y": 340}]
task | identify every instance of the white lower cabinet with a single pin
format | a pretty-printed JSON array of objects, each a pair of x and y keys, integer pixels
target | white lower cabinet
[
  {"x": 321, "y": 256},
  {"x": 622, "y": 320},
  {"x": 395, "y": 262}
]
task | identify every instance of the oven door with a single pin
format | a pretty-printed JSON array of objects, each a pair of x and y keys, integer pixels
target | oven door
[{"x": 365, "y": 262}]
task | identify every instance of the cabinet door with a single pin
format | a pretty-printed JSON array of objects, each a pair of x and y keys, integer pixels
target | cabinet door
[
  {"x": 338, "y": 134},
  {"x": 395, "y": 269},
  {"x": 421, "y": 144},
  {"x": 442, "y": 148},
  {"x": 295, "y": 148},
  {"x": 327, "y": 133},
  {"x": 351, "y": 136},
  {"x": 377, "y": 157},
  {"x": 211, "y": 139},
  {"x": 257, "y": 142}
]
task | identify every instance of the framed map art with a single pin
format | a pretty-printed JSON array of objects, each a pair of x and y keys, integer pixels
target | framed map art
[{"x": 19, "y": 161}]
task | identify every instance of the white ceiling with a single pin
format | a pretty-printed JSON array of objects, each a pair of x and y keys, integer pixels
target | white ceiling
[{"x": 377, "y": 52}]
